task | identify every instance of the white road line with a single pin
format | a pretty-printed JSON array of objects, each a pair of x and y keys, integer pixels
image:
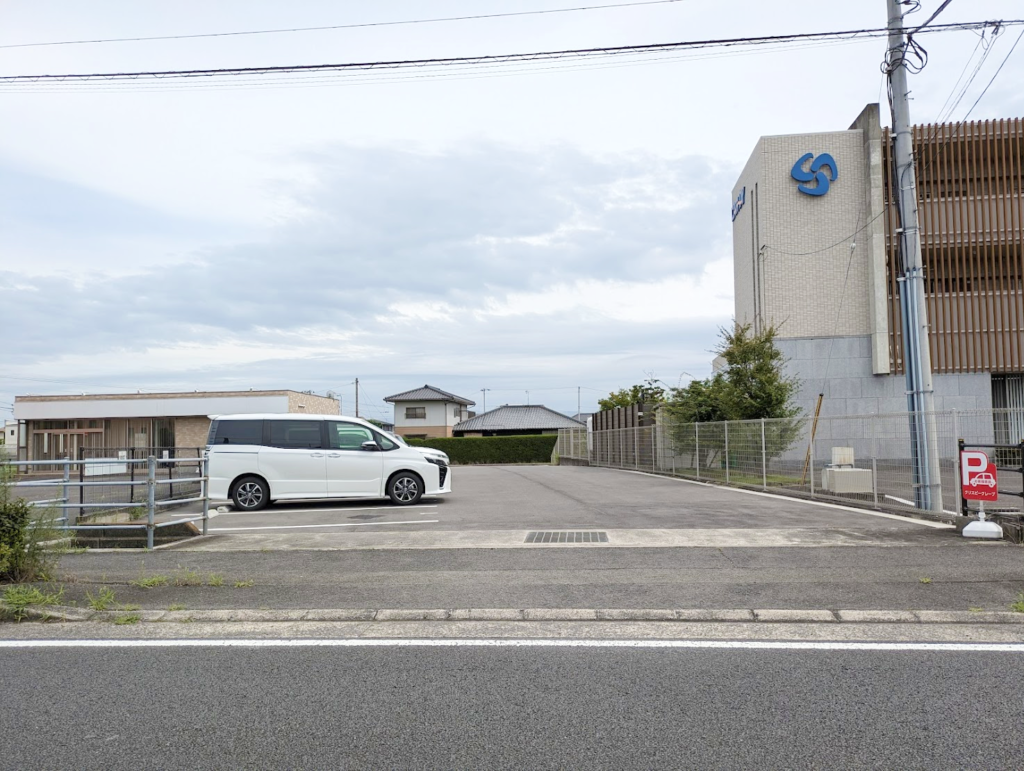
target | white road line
[
  {"x": 325, "y": 510},
  {"x": 911, "y": 520},
  {"x": 342, "y": 524},
  {"x": 525, "y": 643}
]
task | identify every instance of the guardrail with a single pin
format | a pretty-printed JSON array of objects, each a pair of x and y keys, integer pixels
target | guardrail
[{"x": 73, "y": 510}]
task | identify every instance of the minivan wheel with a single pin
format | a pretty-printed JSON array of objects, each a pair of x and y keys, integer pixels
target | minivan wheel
[
  {"x": 250, "y": 494},
  {"x": 405, "y": 488}
]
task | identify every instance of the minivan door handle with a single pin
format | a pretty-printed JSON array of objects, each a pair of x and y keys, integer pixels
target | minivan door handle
[
  {"x": 334, "y": 455},
  {"x": 316, "y": 455}
]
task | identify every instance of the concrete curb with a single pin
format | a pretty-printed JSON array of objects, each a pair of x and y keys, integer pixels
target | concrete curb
[{"x": 697, "y": 615}]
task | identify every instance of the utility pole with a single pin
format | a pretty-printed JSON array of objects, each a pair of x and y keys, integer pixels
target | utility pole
[
  {"x": 917, "y": 358},
  {"x": 484, "y": 392},
  {"x": 577, "y": 402},
  {"x": 357, "y": 397}
]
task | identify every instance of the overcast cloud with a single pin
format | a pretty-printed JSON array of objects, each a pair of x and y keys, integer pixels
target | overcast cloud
[{"x": 528, "y": 233}]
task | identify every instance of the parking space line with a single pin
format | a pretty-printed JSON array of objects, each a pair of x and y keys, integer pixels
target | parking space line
[
  {"x": 325, "y": 510},
  {"x": 341, "y": 524}
]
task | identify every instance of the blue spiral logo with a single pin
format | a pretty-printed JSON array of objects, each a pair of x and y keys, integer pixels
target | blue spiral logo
[{"x": 816, "y": 173}]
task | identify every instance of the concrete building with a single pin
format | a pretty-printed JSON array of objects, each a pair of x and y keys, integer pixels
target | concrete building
[
  {"x": 428, "y": 412},
  {"x": 815, "y": 255},
  {"x": 52, "y": 427}
]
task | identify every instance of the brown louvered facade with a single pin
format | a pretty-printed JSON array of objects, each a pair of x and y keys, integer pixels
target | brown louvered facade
[{"x": 970, "y": 180}]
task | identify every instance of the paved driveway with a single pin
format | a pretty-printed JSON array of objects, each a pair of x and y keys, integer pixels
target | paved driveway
[{"x": 493, "y": 505}]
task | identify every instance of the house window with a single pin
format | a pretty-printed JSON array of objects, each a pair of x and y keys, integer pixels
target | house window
[{"x": 412, "y": 413}]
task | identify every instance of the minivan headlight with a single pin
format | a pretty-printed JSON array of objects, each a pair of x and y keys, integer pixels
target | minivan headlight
[{"x": 436, "y": 461}]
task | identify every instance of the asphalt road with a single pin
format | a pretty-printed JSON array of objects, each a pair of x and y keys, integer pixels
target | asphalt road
[
  {"x": 508, "y": 707},
  {"x": 558, "y": 497},
  {"x": 956, "y": 575}
]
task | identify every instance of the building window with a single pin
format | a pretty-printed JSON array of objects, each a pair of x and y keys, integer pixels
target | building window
[{"x": 415, "y": 413}]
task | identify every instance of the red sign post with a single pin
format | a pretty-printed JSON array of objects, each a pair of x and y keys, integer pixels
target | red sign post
[{"x": 978, "y": 478}]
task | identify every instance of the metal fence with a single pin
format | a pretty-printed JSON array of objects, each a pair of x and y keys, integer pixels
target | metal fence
[
  {"x": 860, "y": 459},
  {"x": 118, "y": 493}
]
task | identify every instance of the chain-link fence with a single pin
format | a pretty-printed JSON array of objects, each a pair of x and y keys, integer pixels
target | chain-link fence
[{"x": 861, "y": 459}]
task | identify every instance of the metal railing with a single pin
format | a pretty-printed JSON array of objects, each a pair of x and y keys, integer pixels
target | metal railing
[
  {"x": 72, "y": 511},
  {"x": 849, "y": 459}
]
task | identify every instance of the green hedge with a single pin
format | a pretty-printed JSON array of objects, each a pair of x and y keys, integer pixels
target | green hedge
[{"x": 493, "y": 449}]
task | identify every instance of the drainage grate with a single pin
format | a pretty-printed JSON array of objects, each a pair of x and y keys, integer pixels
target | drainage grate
[{"x": 567, "y": 536}]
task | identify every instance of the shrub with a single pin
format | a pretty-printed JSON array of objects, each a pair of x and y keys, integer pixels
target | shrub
[
  {"x": 493, "y": 449},
  {"x": 23, "y": 538}
]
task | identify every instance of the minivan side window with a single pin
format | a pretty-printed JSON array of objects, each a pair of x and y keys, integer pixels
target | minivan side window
[
  {"x": 348, "y": 436},
  {"x": 236, "y": 432},
  {"x": 295, "y": 434}
]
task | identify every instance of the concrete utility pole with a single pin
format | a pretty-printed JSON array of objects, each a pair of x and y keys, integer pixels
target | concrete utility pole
[
  {"x": 484, "y": 392},
  {"x": 357, "y": 397},
  {"x": 917, "y": 358}
]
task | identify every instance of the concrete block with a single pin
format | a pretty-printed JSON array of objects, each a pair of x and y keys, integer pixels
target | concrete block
[
  {"x": 876, "y": 387},
  {"x": 866, "y": 406},
  {"x": 487, "y": 614},
  {"x": 795, "y": 616},
  {"x": 877, "y": 616},
  {"x": 636, "y": 614},
  {"x": 845, "y": 388},
  {"x": 402, "y": 614},
  {"x": 340, "y": 614},
  {"x": 559, "y": 614},
  {"x": 714, "y": 615}
]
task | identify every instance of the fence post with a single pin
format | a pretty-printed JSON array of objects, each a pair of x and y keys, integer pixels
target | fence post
[
  {"x": 636, "y": 447},
  {"x": 696, "y": 443},
  {"x": 654, "y": 448},
  {"x": 150, "y": 500},
  {"x": 205, "y": 489},
  {"x": 66, "y": 498},
  {"x": 874, "y": 459},
  {"x": 727, "y": 452},
  {"x": 811, "y": 465},
  {"x": 131, "y": 475},
  {"x": 81, "y": 487},
  {"x": 764, "y": 459}
]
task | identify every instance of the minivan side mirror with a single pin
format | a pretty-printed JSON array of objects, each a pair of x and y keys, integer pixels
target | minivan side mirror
[{"x": 370, "y": 445}]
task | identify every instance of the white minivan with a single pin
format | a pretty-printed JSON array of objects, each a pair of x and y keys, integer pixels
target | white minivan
[{"x": 258, "y": 459}]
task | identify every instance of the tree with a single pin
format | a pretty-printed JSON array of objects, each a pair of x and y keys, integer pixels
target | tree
[
  {"x": 646, "y": 393},
  {"x": 751, "y": 386}
]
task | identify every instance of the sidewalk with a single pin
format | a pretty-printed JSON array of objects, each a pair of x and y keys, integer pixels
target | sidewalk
[{"x": 967, "y": 577}]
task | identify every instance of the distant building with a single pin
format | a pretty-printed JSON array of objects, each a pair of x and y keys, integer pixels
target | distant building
[
  {"x": 428, "y": 412},
  {"x": 9, "y": 439},
  {"x": 517, "y": 419},
  {"x": 53, "y": 427}
]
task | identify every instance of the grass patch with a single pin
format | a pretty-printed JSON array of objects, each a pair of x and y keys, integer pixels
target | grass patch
[
  {"x": 244, "y": 584},
  {"x": 150, "y": 581},
  {"x": 102, "y": 600},
  {"x": 976, "y": 610},
  {"x": 19, "y": 599},
  {"x": 136, "y": 512},
  {"x": 189, "y": 577},
  {"x": 176, "y": 606},
  {"x": 215, "y": 579},
  {"x": 130, "y": 618},
  {"x": 925, "y": 580},
  {"x": 1018, "y": 606}
]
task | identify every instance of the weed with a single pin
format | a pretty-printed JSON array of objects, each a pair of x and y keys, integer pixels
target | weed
[
  {"x": 244, "y": 584},
  {"x": 176, "y": 606},
  {"x": 102, "y": 600},
  {"x": 926, "y": 580},
  {"x": 1018, "y": 606},
  {"x": 19, "y": 598},
  {"x": 130, "y": 618},
  {"x": 264, "y": 550},
  {"x": 136, "y": 512},
  {"x": 125, "y": 606},
  {"x": 27, "y": 536},
  {"x": 215, "y": 579},
  {"x": 976, "y": 610},
  {"x": 189, "y": 577},
  {"x": 150, "y": 581}
]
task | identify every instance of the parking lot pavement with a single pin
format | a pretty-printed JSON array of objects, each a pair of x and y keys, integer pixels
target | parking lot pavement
[{"x": 516, "y": 498}]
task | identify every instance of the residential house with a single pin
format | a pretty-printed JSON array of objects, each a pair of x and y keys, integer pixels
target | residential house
[
  {"x": 516, "y": 420},
  {"x": 428, "y": 412}
]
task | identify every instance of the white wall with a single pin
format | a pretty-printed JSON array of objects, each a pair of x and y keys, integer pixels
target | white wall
[
  {"x": 148, "y": 408},
  {"x": 438, "y": 414}
]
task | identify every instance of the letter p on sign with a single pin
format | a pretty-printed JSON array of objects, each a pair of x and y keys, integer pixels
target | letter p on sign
[{"x": 978, "y": 479}]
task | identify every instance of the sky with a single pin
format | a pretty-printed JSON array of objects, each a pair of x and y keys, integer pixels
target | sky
[{"x": 550, "y": 232}]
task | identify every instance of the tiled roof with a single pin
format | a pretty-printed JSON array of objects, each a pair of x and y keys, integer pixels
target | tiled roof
[
  {"x": 428, "y": 394},
  {"x": 518, "y": 417}
]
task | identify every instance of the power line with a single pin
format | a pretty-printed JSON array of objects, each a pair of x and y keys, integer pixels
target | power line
[
  {"x": 340, "y": 26},
  {"x": 492, "y": 59}
]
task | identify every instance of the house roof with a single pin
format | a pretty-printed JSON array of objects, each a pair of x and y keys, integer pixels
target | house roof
[
  {"x": 518, "y": 417},
  {"x": 428, "y": 393}
]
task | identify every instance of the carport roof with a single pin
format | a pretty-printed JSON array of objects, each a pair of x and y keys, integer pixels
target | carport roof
[
  {"x": 518, "y": 417},
  {"x": 428, "y": 394}
]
